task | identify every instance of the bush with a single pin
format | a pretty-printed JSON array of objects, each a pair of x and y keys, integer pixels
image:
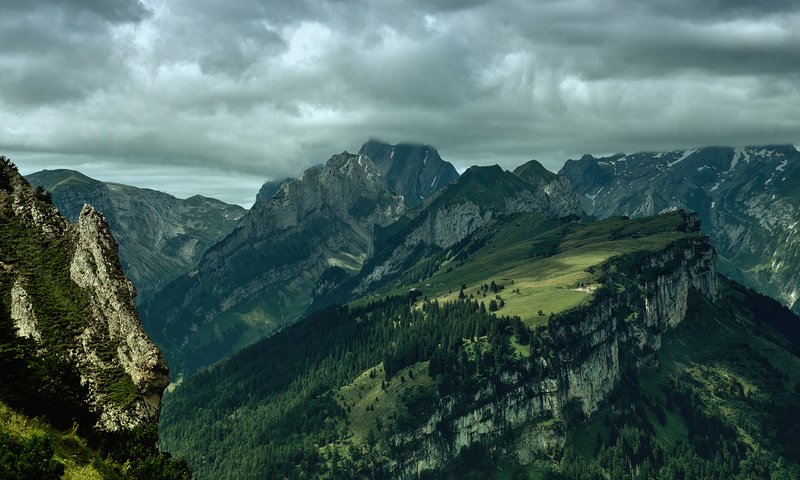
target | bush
[{"x": 31, "y": 458}]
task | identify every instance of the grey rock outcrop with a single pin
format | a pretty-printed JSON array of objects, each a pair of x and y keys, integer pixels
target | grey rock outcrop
[
  {"x": 269, "y": 188},
  {"x": 22, "y": 312},
  {"x": 95, "y": 325},
  {"x": 262, "y": 276},
  {"x": 561, "y": 196},
  {"x": 114, "y": 320}
]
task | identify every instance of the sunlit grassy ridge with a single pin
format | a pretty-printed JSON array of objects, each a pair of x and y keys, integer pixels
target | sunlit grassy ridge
[{"x": 547, "y": 261}]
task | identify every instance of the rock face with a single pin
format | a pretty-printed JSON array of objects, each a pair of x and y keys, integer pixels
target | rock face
[
  {"x": 95, "y": 267},
  {"x": 478, "y": 196},
  {"x": 94, "y": 323},
  {"x": 561, "y": 196},
  {"x": 411, "y": 170},
  {"x": 591, "y": 345},
  {"x": 22, "y": 312},
  {"x": 747, "y": 198},
  {"x": 261, "y": 277},
  {"x": 270, "y": 188},
  {"x": 160, "y": 237}
]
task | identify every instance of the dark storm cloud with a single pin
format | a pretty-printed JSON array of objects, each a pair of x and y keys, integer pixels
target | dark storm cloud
[
  {"x": 716, "y": 9},
  {"x": 264, "y": 88},
  {"x": 114, "y": 11},
  {"x": 55, "y": 51}
]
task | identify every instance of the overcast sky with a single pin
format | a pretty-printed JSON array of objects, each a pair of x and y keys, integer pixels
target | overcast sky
[{"x": 217, "y": 96}]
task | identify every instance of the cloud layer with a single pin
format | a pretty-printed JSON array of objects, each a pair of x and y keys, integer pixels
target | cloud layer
[{"x": 171, "y": 92}]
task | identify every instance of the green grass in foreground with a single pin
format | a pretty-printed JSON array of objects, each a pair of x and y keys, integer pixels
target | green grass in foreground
[{"x": 80, "y": 461}]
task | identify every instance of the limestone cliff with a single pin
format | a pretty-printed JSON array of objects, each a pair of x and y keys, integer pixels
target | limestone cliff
[
  {"x": 261, "y": 277},
  {"x": 114, "y": 321},
  {"x": 69, "y": 294},
  {"x": 621, "y": 328},
  {"x": 414, "y": 171}
]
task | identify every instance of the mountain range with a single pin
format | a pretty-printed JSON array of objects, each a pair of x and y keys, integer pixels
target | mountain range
[
  {"x": 494, "y": 330},
  {"x": 306, "y": 245},
  {"x": 160, "y": 237},
  {"x": 381, "y": 316},
  {"x": 748, "y": 200}
]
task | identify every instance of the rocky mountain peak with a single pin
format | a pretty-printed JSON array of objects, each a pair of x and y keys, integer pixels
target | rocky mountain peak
[
  {"x": 96, "y": 268},
  {"x": 414, "y": 171},
  {"x": 353, "y": 170},
  {"x": 343, "y": 182},
  {"x": 261, "y": 277},
  {"x": 71, "y": 296},
  {"x": 270, "y": 188},
  {"x": 483, "y": 174},
  {"x": 534, "y": 172},
  {"x": 559, "y": 191}
]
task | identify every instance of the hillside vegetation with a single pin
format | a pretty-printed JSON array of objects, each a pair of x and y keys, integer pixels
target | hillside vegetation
[{"x": 331, "y": 396}]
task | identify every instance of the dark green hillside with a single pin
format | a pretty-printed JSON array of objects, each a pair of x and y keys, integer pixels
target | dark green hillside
[
  {"x": 487, "y": 186},
  {"x": 328, "y": 397},
  {"x": 262, "y": 420},
  {"x": 533, "y": 171},
  {"x": 723, "y": 403}
]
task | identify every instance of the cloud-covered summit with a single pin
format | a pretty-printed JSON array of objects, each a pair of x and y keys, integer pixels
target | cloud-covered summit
[{"x": 249, "y": 90}]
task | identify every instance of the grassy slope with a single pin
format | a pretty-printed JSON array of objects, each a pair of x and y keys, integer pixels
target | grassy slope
[
  {"x": 81, "y": 462},
  {"x": 367, "y": 403},
  {"x": 514, "y": 249}
]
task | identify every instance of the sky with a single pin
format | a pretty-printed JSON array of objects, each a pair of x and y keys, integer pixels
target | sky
[{"x": 215, "y": 97}]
